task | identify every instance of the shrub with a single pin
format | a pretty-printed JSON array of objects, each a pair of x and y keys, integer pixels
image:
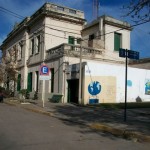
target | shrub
[{"x": 25, "y": 93}]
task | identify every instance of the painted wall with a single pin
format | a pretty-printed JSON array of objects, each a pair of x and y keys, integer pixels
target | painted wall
[
  {"x": 109, "y": 38},
  {"x": 58, "y": 31},
  {"x": 112, "y": 80},
  {"x": 106, "y": 42}
]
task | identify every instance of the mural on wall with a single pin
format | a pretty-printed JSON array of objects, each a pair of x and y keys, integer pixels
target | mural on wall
[
  {"x": 147, "y": 86},
  {"x": 94, "y": 88},
  {"x": 129, "y": 83}
]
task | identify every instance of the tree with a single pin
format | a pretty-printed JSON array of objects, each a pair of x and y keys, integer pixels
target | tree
[
  {"x": 2, "y": 71},
  {"x": 138, "y": 10},
  {"x": 8, "y": 71}
]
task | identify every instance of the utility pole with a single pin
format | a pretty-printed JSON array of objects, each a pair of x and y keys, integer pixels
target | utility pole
[
  {"x": 132, "y": 55},
  {"x": 80, "y": 75},
  {"x": 95, "y": 9},
  {"x": 126, "y": 76}
]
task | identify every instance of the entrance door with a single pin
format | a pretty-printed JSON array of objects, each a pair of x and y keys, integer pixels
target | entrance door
[{"x": 73, "y": 90}]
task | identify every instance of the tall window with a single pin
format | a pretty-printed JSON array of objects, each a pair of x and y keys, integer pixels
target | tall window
[
  {"x": 78, "y": 40},
  {"x": 52, "y": 80},
  {"x": 37, "y": 80},
  {"x": 20, "y": 47},
  {"x": 38, "y": 43},
  {"x": 91, "y": 37},
  {"x": 32, "y": 46},
  {"x": 19, "y": 82},
  {"x": 90, "y": 41},
  {"x": 71, "y": 40},
  {"x": 117, "y": 41},
  {"x": 29, "y": 82}
]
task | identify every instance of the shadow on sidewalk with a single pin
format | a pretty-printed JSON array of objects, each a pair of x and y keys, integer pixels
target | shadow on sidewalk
[{"x": 137, "y": 120}]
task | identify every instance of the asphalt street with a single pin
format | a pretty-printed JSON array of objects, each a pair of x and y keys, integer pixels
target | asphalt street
[{"x": 24, "y": 130}]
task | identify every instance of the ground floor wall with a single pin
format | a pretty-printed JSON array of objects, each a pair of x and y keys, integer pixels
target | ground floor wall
[
  {"x": 106, "y": 82},
  {"x": 100, "y": 81}
]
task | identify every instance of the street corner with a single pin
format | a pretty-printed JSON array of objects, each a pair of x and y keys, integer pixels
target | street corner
[
  {"x": 11, "y": 102},
  {"x": 106, "y": 128},
  {"x": 36, "y": 110},
  {"x": 124, "y": 133},
  {"x": 136, "y": 136}
]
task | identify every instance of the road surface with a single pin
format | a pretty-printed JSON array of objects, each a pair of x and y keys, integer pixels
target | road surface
[{"x": 24, "y": 130}]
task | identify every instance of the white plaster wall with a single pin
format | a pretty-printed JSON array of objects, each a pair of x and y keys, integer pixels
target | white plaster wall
[
  {"x": 109, "y": 38},
  {"x": 58, "y": 31},
  {"x": 35, "y": 30},
  {"x": 137, "y": 76}
]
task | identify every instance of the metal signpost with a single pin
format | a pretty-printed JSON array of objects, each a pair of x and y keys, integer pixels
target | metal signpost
[
  {"x": 44, "y": 75},
  {"x": 132, "y": 55}
]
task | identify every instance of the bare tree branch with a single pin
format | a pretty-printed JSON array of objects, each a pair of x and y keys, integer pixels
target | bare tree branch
[{"x": 138, "y": 10}]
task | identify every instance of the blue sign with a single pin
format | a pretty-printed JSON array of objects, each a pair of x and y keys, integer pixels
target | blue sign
[
  {"x": 122, "y": 52},
  {"x": 128, "y": 53},
  {"x": 94, "y": 88},
  {"x": 133, "y": 54},
  {"x": 44, "y": 70}
]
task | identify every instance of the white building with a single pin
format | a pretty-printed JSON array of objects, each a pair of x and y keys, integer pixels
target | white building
[{"x": 52, "y": 36}]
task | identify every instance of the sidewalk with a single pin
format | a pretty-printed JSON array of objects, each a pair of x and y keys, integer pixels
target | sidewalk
[{"x": 137, "y": 126}]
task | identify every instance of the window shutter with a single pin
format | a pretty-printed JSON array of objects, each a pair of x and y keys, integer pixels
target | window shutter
[
  {"x": 71, "y": 40},
  {"x": 52, "y": 80},
  {"x": 29, "y": 82},
  {"x": 32, "y": 46},
  {"x": 91, "y": 37},
  {"x": 19, "y": 82},
  {"x": 117, "y": 41}
]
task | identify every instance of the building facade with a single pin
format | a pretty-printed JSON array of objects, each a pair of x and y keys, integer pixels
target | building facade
[{"x": 60, "y": 38}]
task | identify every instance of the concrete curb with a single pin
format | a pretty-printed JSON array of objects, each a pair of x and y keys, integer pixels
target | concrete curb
[
  {"x": 30, "y": 109},
  {"x": 39, "y": 111},
  {"x": 10, "y": 103},
  {"x": 132, "y": 135}
]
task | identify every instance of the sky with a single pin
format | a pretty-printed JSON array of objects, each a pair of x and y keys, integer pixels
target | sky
[{"x": 140, "y": 36}]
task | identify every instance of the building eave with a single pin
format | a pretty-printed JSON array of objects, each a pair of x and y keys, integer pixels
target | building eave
[
  {"x": 140, "y": 61},
  {"x": 109, "y": 21}
]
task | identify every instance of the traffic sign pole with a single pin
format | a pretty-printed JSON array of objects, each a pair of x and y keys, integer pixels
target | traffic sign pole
[
  {"x": 44, "y": 75},
  {"x": 126, "y": 75},
  {"x": 132, "y": 55}
]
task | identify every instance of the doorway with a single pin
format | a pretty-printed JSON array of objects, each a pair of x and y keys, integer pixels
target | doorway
[{"x": 73, "y": 90}]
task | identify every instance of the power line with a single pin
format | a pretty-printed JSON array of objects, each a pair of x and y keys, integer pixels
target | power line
[
  {"x": 84, "y": 39},
  {"x": 121, "y": 29},
  {"x": 19, "y": 16},
  {"x": 11, "y": 13},
  {"x": 61, "y": 30}
]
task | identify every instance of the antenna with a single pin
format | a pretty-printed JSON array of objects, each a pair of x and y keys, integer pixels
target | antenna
[{"x": 95, "y": 9}]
